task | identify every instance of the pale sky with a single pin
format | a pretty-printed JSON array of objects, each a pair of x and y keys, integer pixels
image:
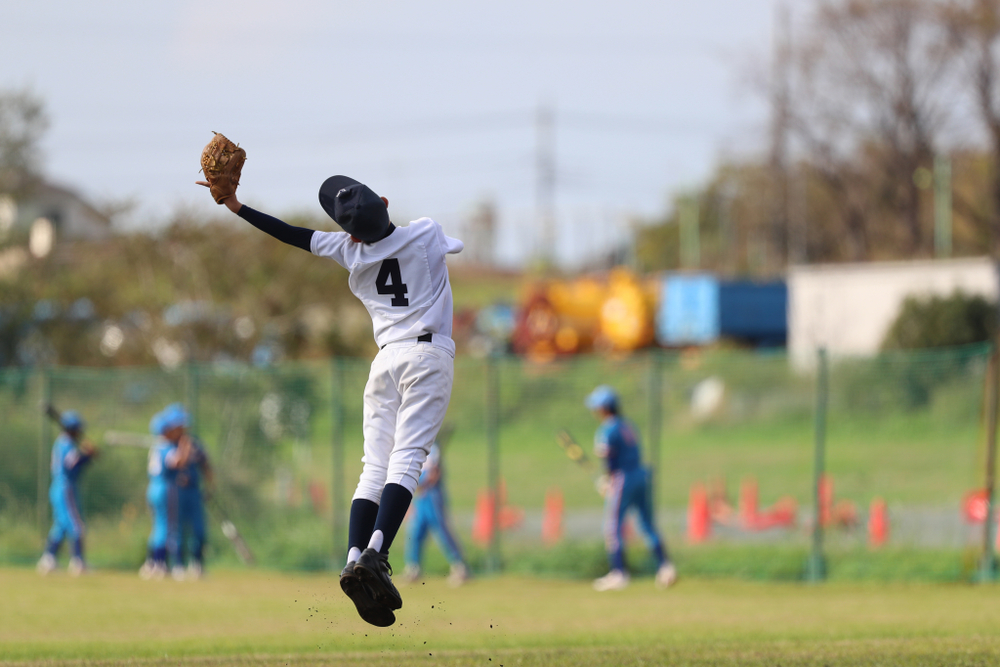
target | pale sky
[{"x": 431, "y": 103}]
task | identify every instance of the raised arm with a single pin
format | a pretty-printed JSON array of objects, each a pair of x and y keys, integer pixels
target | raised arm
[{"x": 300, "y": 237}]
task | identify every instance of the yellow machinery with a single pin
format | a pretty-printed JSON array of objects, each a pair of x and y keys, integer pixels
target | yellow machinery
[{"x": 609, "y": 313}]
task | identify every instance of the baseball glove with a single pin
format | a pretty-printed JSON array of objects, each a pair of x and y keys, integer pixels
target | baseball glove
[{"x": 221, "y": 162}]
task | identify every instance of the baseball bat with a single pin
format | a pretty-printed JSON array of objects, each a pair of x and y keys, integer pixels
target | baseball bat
[
  {"x": 576, "y": 454},
  {"x": 232, "y": 534},
  {"x": 572, "y": 450},
  {"x": 53, "y": 414}
]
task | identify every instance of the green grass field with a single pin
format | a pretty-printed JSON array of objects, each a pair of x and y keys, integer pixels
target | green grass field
[{"x": 267, "y": 618}]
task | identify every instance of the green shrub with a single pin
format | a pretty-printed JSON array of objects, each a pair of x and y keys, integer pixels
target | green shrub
[{"x": 936, "y": 321}]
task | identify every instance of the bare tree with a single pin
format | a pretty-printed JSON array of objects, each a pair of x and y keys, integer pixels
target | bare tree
[
  {"x": 974, "y": 30},
  {"x": 871, "y": 76}
]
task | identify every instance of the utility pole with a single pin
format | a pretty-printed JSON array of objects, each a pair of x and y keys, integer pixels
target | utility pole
[
  {"x": 782, "y": 227},
  {"x": 545, "y": 184},
  {"x": 942, "y": 206},
  {"x": 689, "y": 215}
]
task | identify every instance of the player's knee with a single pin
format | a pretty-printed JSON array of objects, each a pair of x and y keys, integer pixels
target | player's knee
[
  {"x": 405, "y": 480},
  {"x": 368, "y": 490},
  {"x": 405, "y": 471}
]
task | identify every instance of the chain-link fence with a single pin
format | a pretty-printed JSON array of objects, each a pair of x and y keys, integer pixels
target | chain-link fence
[{"x": 731, "y": 437}]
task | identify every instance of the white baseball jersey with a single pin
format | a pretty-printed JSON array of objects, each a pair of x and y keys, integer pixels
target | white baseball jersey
[{"x": 402, "y": 280}]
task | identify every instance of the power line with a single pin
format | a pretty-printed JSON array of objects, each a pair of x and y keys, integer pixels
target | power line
[{"x": 639, "y": 124}]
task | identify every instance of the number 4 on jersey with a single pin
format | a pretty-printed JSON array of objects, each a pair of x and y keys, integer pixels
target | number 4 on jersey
[{"x": 390, "y": 281}]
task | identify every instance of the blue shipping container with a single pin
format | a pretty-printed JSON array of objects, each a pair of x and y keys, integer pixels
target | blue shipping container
[
  {"x": 689, "y": 310},
  {"x": 755, "y": 313}
]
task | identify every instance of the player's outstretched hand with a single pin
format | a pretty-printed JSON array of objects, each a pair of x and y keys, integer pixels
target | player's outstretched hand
[{"x": 231, "y": 202}]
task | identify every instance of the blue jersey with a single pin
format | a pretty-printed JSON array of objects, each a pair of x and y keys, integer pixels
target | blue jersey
[
  {"x": 617, "y": 443},
  {"x": 67, "y": 461},
  {"x": 189, "y": 477},
  {"x": 162, "y": 455},
  {"x": 161, "y": 494}
]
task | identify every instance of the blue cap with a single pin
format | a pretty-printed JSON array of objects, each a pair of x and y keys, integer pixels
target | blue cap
[
  {"x": 355, "y": 207},
  {"x": 173, "y": 415},
  {"x": 156, "y": 424},
  {"x": 71, "y": 420},
  {"x": 604, "y": 397}
]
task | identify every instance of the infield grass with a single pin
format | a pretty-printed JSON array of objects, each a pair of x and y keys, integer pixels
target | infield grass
[{"x": 265, "y": 618}]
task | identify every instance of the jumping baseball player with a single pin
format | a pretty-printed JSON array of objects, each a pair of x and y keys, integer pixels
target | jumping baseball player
[
  {"x": 400, "y": 275},
  {"x": 430, "y": 514},
  {"x": 190, "y": 535},
  {"x": 70, "y": 455},
  {"x": 617, "y": 443},
  {"x": 166, "y": 457}
]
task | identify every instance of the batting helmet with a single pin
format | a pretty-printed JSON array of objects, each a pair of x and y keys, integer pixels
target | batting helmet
[
  {"x": 173, "y": 415},
  {"x": 603, "y": 397},
  {"x": 71, "y": 421}
]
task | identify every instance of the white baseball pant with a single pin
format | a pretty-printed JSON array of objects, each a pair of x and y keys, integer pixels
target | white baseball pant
[{"x": 406, "y": 397}]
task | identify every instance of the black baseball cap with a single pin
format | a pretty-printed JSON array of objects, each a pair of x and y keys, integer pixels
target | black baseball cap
[{"x": 355, "y": 207}]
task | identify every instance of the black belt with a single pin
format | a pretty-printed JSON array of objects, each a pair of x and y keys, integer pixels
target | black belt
[{"x": 422, "y": 338}]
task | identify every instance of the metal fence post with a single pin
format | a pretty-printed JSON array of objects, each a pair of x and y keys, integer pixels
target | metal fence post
[
  {"x": 337, "y": 458},
  {"x": 193, "y": 391},
  {"x": 655, "y": 392},
  {"x": 44, "y": 442},
  {"x": 988, "y": 564},
  {"x": 816, "y": 566},
  {"x": 493, "y": 559}
]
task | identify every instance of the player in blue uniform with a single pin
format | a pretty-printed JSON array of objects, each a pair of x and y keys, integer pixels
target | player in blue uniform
[
  {"x": 70, "y": 455},
  {"x": 617, "y": 443},
  {"x": 430, "y": 514},
  {"x": 190, "y": 534},
  {"x": 166, "y": 457}
]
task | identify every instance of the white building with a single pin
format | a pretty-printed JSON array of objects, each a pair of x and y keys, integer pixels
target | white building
[
  {"x": 68, "y": 214},
  {"x": 848, "y": 308}
]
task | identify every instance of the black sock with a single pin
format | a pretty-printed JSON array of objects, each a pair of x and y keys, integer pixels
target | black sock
[
  {"x": 395, "y": 501},
  {"x": 359, "y": 531}
]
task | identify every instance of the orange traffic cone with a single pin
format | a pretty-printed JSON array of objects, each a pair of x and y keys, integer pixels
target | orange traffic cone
[
  {"x": 878, "y": 523},
  {"x": 825, "y": 500},
  {"x": 552, "y": 520},
  {"x": 698, "y": 519},
  {"x": 748, "y": 503},
  {"x": 482, "y": 526}
]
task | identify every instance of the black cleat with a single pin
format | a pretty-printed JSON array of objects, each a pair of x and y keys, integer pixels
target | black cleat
[
  {"x": 368, "y": 608},
  {"x": 374, "y": 570}
]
